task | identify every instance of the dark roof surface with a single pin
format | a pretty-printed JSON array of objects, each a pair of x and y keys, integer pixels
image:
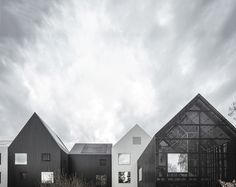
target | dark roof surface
[
  {"x": 53, "y": 134},
  {"x": 91, "y": 149}
]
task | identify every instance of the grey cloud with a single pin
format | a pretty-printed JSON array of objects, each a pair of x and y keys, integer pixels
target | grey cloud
[{"x": 202, "y": 31}]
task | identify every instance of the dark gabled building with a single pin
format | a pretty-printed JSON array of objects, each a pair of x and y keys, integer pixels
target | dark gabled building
[
  {"x": 92, "y": 162},
  {"x": 36, "y": 155},
  {"x": 194, "y": 149}
]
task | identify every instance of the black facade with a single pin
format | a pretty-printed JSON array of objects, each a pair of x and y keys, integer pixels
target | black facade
[
  {"x": 45, "y": 153},
  {"x": 92, "y": 162},
  {"x": 194, "y": 149}
]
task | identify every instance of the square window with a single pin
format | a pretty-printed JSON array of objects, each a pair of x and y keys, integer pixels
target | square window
[
  {"x": 137, "y": 140},
  {"x": 20, "y": 158},
  {"x": 23, "y": 175},
  {"x": 124, "y": 158},
  {"x": 101, "y": 180},
  {"x": 177, "y": 163},
  {"x": 140, "y": 173},
  {"x": 124, "y": 177},
  {"x": 46, "y": 156},
  {"x": 103, "y": 162},
  {"x": 47, "y": 177}
]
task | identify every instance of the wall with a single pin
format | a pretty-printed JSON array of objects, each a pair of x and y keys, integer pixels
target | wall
[
  {"x": 147, "y": 162},
  {"x": 125, "y": 145},
  {"x": 3, "y": 165},
  {"x": 34, "y": 139},
  {"x": 88, "y": 166}
]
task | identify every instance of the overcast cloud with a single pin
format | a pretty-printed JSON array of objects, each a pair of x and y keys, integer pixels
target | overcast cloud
[{"x": 94, "y": 68}]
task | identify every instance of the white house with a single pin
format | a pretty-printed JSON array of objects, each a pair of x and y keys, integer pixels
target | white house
[
  {"x": 3, "y": 162},
  {"x": 125, "y": 154}
]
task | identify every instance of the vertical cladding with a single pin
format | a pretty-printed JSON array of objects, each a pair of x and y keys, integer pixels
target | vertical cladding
[
  {"x": 34, "y": 139},
  {"x": 88, "y": 166},
  {"x": 147, "y": 162}
]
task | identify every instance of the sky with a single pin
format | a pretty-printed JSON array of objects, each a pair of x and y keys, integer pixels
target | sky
[{"x": 92, "y": 69}]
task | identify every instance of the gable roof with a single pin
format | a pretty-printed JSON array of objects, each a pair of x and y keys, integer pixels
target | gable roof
[
  {"x": 136, "y": 127},
  {"x": 198, "y": 98},
  {"x": 91, "y": 149},
  {"x": 52, "y": 133}
]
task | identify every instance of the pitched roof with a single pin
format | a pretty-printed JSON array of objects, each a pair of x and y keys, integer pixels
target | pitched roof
[
  {"x": 135, "y": 127},
  {"x": 53, "y": 134},
  {"x": 91, "y": 149},
  {"x": 204, "y": 104}
]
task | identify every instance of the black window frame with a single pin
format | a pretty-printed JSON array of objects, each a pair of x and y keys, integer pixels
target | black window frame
[
  {"x": 103, "y": 162},
  {"x": 23, "y": 175},
  {"x": 46, "y": 157}
]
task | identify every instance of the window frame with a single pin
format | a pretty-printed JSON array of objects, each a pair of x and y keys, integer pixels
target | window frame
[
  {"x": 47, "y": 154},
  {"x": 99, "y": 183},
  {"x": 129, "y": 172},
  {"x": 124, "y": 154},
  {"x": 47, "y": 172},
  {"x": 25, "y": 154},
  {"x": 140, "y": 174},
  {"x": 135, "y": 138},
  {"x": 171, "y": 172},
  {"x": 23, "y": 175},
  {"x": 103, "y": 162}
]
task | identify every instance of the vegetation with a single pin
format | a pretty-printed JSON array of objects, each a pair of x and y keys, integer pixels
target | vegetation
[
  {"x": 227, "y": 184},
  {"x": 232, "y": 110},
  {"x": 62, "y": 180}
]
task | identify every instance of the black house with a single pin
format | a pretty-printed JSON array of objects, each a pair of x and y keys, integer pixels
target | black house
[
  {"x": 92, "y": 162},
  {"x": 194, "y": 149},
  {"x": 36, "y": 155}
]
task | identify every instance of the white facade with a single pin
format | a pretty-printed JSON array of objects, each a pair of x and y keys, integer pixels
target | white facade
[
  {"x": 4, "y": 162},
  {"x": 125, "y": 154}
]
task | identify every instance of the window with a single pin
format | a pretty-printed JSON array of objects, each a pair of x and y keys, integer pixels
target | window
[
  {"x": 0, "y": 158},
  {"x": 47, "y": 177},
  {"x": 103, "y": 162},
  {"x": 137, "y": 140},
  {"x": 101, "y": 180},
  {"x": 23, "y": 175},
  {"x": 46, "y": 157},
  {"x": 140, "y": 173},
  {"x": 20, "y": 158},
  {"x": 124, "y": 177},
  {"x": 177, "y": 163},
  {"x": 124, "y": 158}
]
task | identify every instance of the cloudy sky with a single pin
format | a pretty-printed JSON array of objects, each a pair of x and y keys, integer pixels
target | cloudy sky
[{"x": 94, "y": 68}]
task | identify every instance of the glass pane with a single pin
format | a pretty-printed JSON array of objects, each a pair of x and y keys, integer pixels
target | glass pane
[
  {"x": 21, "y": 158},
  {"x": 140, "y": 173},
  {"x": 212, "y": 132},
  {"x": 162, "y": 159},
  {"x": 124, "y": 158},
  {"x": 190, "y": 118},
  {"x": 137, "y": 140},
  {"x": 177, "y": 163},
  {"x": 47, "y": 177},
  {"x": 205, "y": 119},
  {"x": 124, "y": 177},
  {"x": 177, "y": 132}
]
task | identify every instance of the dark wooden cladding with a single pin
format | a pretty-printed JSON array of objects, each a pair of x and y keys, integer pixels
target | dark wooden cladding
[
  {"x": 88, "y": 166},
  {"x": 205, "y": 136},
  {"x": 34, "y": 139}
]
